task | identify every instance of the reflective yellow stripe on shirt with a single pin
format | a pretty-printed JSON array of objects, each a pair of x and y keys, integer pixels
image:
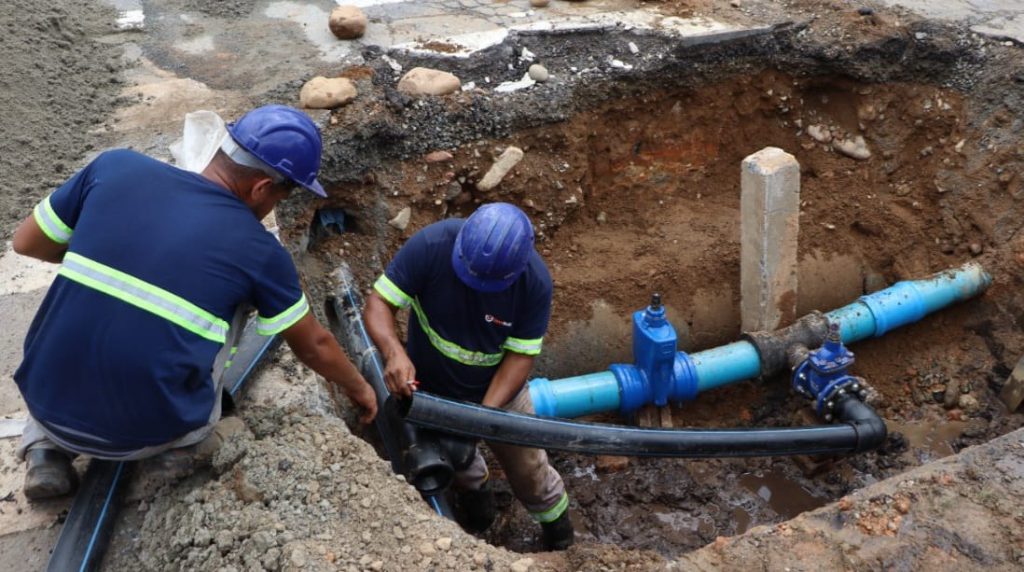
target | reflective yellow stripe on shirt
[
  {"x": 144, "y": 295},
  {"x": 521, "y": 346},
  {"x": 396, "y": 297},
  {"x": 452, "y": 350},
  {"x": 284, "y": 320},
  {"x": 50, "y": 223},
  {"x": 392, "y": 293}
]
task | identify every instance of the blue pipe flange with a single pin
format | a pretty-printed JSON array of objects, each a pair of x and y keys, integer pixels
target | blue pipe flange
[
  {"x": 634, "y": 390},
  {"x": 684, "y": 372},
  {"x": 896, "y": 306},
  {"x": 545, "y": 404}
]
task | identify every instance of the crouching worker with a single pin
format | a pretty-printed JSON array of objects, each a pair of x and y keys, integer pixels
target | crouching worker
[
  {"x": 159, "y": 268},
  {"x": 481, "y": 299}
]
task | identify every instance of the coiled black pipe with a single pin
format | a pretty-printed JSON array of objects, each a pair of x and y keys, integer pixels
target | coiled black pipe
[{"x": 859, "y": 428}]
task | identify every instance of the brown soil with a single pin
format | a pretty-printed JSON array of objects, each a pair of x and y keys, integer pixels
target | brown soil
[{"x": 641, "y": 195}]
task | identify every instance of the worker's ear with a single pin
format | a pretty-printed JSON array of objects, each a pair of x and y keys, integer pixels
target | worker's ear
[{"x": 262, "y": 189}]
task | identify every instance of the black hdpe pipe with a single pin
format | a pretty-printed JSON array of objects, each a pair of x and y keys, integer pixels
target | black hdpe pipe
[
  {"x": 90, "y": 522},
  {"x": 425, "y": 459},
  {"x": 858, "y": 429}
]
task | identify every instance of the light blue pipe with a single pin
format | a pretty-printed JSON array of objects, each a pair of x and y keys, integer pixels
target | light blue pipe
[
  {"x": 726, "y": 364},
  {"x": 627, "y": 387}
]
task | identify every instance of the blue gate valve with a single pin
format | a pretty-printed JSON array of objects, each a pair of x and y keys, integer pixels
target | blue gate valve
[
  {"x": 652, "y": 378},
  {"x": 823, "y": 376}
]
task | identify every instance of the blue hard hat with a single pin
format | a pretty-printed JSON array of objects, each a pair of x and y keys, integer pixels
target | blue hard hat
[
  {"x": 493, "y": 247},
  {"x": 284, "y": 138}
]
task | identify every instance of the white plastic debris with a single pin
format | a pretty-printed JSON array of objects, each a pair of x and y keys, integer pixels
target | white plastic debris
[
  {"x": 619, "y": 64},
  {"x": 395, "y": 66},
  {"x": 510, "y": 86},
  {"x": 202, "y": 135}
]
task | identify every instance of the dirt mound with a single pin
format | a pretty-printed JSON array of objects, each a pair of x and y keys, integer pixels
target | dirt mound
[
  {"x": 58, "y": 85},
  {"x": 221, "y": 8},
  {"x": 302, "y": 492}
]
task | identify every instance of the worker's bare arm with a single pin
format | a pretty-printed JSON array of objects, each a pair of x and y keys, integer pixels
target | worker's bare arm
[
  {"x": 318, "y": 349},
  {"x": 379, "y": 317},
  {"x": 508, "y": 380},
  {"x": 30, "y": 240}
]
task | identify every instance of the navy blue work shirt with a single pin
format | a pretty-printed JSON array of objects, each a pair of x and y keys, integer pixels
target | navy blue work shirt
[
  {"x": 457, "y": 335},
  {"x": 119, "y": 355}
]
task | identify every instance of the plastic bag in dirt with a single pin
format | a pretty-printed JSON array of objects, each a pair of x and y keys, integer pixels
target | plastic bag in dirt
[{"x": 202, "y": 136}]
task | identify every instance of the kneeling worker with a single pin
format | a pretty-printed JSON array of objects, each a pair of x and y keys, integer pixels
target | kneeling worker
[
  {"x": 481, "y": 300},
  {"x": 126, "y": 355}
]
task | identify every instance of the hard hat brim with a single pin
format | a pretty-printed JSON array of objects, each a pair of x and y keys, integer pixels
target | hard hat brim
[{"x": 316, "y": 188}]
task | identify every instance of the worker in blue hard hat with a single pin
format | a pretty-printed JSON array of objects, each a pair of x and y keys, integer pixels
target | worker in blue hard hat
[
  {"x": 159, "y": 270},
  {"x": 481, "y": 300}
]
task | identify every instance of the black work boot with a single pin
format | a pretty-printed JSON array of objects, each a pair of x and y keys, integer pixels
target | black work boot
[
  {"x": 558, "y": 534},
  {"x": 476, "y": 508},
  {"x": 49, "y": 474}
]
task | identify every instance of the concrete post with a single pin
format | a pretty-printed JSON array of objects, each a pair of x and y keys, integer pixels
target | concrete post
[{"x": 769, "y": 224}]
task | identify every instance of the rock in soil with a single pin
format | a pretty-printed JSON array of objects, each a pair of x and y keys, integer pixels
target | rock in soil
[
  {"x": 426, "y": 81},
  {"x": 438, "y": 157},
  {"x": 538, "y": 73},
  {"x": 509, "y": 159},
  {"x": 327, "y": 93},
  {"x": 856, "y": 148},
  {"x": 401, "y": 220},
  {"x": 348, "y": 22}
]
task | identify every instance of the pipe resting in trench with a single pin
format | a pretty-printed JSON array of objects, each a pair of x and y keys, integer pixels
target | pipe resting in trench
[
  {"x": 858, "y": 429},
  {"x": 663, "y": 374}
]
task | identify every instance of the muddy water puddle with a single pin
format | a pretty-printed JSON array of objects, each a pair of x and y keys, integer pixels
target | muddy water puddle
[
  {"x": 933, "y": 439},
  {"x": 785, "y": 496}
]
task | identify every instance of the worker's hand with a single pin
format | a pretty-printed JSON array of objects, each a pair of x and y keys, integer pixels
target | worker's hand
[
  {"x": 363, "y": 396},
  {"x": 400, "y": 374}
]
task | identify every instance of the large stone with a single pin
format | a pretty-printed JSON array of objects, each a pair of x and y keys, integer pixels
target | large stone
[
  {"x": 327, "y": 93},
  {"x": 426, "y": 81},
  {"x": 769, "y": 225},
  {"x": 347, "y": 22},
  {"x": 510, "y": 158}
]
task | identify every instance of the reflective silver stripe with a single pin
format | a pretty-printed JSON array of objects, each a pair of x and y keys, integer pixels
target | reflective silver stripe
[
  {"x": 284, "y": 320},
  {"x": 144, "y": 296},
  {"x": 50, "y": 223}
]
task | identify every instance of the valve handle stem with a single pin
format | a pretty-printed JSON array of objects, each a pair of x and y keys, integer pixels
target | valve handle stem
[
  {"x": 833, "y": 332},
  {"x": 655, "y": 301}
]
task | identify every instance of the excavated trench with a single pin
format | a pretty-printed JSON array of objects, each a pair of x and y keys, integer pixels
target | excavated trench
[{"x": 637, "y": 192}]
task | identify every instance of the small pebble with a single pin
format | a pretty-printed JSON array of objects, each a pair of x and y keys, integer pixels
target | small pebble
[
  {"x": 540, "y": 3},
  {"x": 538, "y": 73}
]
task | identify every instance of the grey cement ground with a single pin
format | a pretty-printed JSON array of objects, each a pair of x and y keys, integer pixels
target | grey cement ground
[{"x": 998, "y": 19}]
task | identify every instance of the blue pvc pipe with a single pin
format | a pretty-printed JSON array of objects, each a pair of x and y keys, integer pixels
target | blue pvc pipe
[
  {"x": 726, "y": 364},
  {"x": 575, "y": 396},
  {"x": 625, "y": 387}
]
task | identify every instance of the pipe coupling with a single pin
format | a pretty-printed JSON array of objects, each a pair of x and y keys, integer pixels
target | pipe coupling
[{"x": 772, "y": 347}]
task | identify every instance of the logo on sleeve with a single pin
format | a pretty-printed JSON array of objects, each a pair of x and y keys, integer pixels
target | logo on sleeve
[{"x": 493, "y": 320}]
